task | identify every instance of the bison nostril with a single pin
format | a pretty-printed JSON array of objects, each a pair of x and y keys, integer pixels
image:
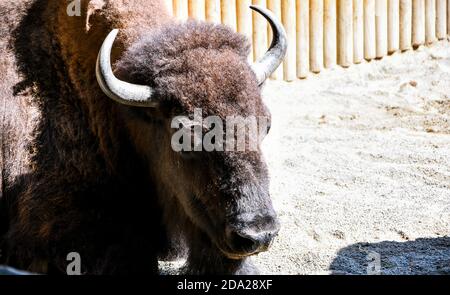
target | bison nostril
[
  {"x": 250, "y": 233},
  {"x": 242, "y": 242},
  {"x": 250, "y": 243}
]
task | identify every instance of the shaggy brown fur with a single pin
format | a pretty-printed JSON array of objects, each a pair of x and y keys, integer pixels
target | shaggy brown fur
[{"x": 81, "y": 173}]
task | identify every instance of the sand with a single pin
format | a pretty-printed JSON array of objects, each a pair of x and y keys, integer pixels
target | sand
[{"x": 360, "y": 168}]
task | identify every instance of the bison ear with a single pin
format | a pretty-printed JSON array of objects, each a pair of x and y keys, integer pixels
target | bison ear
[{"x": 92, "y": 8}]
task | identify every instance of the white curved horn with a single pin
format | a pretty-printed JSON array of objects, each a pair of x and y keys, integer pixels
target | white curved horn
[
  {"x": 120, "y": 91},
  {"x": 268, "y": 64}
]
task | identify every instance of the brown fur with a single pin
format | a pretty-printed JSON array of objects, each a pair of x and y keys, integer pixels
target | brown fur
[{"x": 81, "y": 173}]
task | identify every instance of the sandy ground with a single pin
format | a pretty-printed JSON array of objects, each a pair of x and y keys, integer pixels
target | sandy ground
[{"x": 360, "y": 166}]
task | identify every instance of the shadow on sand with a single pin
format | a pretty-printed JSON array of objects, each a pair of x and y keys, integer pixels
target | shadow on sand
[{"x": 425, "y": 256}]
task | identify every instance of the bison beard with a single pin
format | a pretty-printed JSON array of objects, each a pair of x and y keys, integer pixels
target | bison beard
[{"x": 82, "y": 173}]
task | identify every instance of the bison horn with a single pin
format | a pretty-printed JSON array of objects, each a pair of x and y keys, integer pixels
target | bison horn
[
  {"x": 120, "y": 91},
  {"x": 265, "y": 66}
]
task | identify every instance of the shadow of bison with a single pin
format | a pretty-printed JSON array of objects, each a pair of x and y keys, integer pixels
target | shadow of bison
[{"x": 425, "y": 256}]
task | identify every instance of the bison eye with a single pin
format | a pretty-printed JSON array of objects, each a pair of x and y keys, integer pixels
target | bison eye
[{"x": 268, "y": 127}]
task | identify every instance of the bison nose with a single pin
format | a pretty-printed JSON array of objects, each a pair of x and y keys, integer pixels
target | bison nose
[
  {"x": 251, "y": 243},
  {"x": 254, "y": 238}
]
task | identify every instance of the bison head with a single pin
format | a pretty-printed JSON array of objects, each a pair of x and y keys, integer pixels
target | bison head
[{"x": 180, "y": 68}]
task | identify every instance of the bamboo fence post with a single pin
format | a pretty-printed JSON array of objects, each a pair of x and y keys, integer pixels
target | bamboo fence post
[
  {"x": 302, "y": 10},
  {"x": 345, "y": 32},
  {"x": 259, "y": 32},
  {"x": 369, "y": 30},
  {"x": 275, "y": 7},
  {"x": 430, "y": 21},
  {"x": 329, "y": 33},
  {"x": 448, "y": 17},
  {"x": 316, "y": 36},
  {"x": 441, "y": 24},
  {"x": 289, "y": 67},
  {"x": 393, "y": 25},
  {"x": 405, "y": 24},
  {"x": 358, "y": 31},
  {"x": 381, "y": 27},
  {"x": 418, "y": 22},
  {"x": 213, "y": 11},
  {"x": 197, "y": 9},
  {"x": 244, "y": 21},
  {"x": 228, "y": 10},
  {"x": 180, "y": 8},
  {"x": 169, "y": 5}
]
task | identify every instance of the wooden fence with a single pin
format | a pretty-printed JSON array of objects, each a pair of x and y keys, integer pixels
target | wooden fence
[{"x": 326, "y": 33}]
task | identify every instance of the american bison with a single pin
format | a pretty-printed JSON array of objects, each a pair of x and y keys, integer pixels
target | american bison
[{"x": 86, "y": 163}]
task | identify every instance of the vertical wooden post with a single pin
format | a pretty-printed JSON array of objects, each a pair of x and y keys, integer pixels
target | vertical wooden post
[
  {"x": 345, "y": 32},
  {"x": 275, "y": 7},
  {"x": 213, "y": 11},
  {"x": 228, "y": 10},
  {"x": 369, "y": 30},
  {"x": 405, "y": 24},
  {"x": 418, "y": 23},
  {"x": 329, "y": 33},
  {"x": 393, "y": 25},
  {"x": 441, "y": 24},
  {"x": 180, "y": 8},
  {"x": 302, "y": 38},
  {"x": 169, "y": 5},
  {"x": 259, "y": 32},
  {"x": 288, "y": 18},
  {"x": 381, "y": 27},
  {"x": 316, "y": 36},
  {"x": 197, "y": 9},
  {"x": 430, "y": 21},
  {"x": 358, "y": 31},
  {"x": 244, "y": 21},
  {"x": 448, "y": 17}
]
